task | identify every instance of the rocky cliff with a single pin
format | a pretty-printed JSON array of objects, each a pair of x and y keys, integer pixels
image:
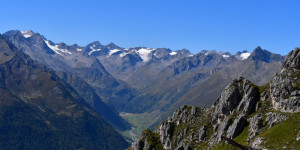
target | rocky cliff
[{"x": 255, "y": 116}]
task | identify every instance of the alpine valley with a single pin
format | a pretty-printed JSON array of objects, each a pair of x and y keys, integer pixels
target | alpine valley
[{"x": 103, "y": 96}]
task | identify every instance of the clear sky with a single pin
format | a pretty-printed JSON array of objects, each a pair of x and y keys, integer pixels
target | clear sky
[{"x": 224, "y": 25}]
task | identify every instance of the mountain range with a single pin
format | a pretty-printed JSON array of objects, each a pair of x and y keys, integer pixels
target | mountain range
[
  {"x": 244, "y": 116},
  {"x": 146, "y": 82},
  {"x": 41, "y": 111}
]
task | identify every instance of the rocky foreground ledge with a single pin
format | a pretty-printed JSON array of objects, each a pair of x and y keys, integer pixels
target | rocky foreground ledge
[{"x": 259, "y": 117}]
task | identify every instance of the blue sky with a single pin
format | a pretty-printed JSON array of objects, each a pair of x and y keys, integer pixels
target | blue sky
[{"x": 231, "y": 25}]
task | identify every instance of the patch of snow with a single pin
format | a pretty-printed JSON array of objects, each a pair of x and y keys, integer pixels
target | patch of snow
[
  {"x": 27, "y": 34},
  {"x": 245, "y": 56},
  {"x": 93, "y": 49},
  {"x": 225, "y": 56},
  {"x": 79, "y": 49},
  {"x": 56, "y": 49},
  {"x": 113, "y": 51},
  {"x": 173, "y": 53},
  {"x": 144, "y": 52},
  {"x": 123, "y": 54},
  {"x": 190, "y": 55}
]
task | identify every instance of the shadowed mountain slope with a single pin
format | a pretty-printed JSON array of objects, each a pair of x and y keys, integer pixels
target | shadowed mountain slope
[{"x": 40, "y": 111}]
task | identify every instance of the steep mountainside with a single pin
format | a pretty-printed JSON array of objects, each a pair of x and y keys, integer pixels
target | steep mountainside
[
  {"x": 72, "y": 60},
  {"x": 91, "y": 97},
  {"x": 40, "y": 111},
  {"x": 253, "y": 116}
]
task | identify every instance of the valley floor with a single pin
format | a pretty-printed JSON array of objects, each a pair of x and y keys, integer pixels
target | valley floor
[{"x": 139, "y": 123}]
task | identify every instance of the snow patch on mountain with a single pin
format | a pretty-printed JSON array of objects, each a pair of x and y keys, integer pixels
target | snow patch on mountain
[
  {"x": 93, "y": 49},
  {"x": 245, "y": 55},
  {"x": 27, "y": 34},
  {"x": 225, "y": 56},
  {"x": 56, "y": 49},
  {"x": 113, "y": 51},
  {"x": 123, "y": 54},
  {"x": 173, "y": 53},
  {"x": 144, "y": 52}
]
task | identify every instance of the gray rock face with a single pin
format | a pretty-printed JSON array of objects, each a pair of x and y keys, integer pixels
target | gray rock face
[
  {"x": 222, "y": 128},
  {"x": 139, "y": 145},
  {"x": 293, "y": 59},
  {"x": 285, "y": 87},
  {"x": 166, "y": 129},
  {"x": 240, "y": 94},
  {"x": 202, "y": 133},
  {"x": 165, "y": 133},
  {"x": 183, "y": 115},
  {"x": 237, "y": 127},
  {"x": 285, "y": 91},
  {"x": 256, "y": 124},
  {"x": 274, "y": 118}
]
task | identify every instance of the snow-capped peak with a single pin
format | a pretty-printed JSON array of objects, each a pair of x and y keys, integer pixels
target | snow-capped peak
[
  {"x": 245, "y": 55},
  {"x": 27, "y": 33}
]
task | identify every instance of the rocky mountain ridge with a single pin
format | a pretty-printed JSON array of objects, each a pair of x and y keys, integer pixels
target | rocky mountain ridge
[
  {"x": 82, "y": 70},
  {"x": 260, "y": 117},
  {"x": 39, "y": 110}
]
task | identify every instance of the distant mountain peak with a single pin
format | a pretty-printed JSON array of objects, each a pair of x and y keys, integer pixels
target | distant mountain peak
[
  {"x": 95, "y": 44},
  {"x": 184, "y": 52},
  {"x": 261, "y": 55},
  {"x": 258, "y": 48},
  {"x": 27, "y": 34},
  {"x": 112, "y": 45}
]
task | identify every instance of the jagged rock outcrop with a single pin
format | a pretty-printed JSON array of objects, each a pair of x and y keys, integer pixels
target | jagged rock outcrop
[
  {"x": 222, "y": 128},
  {"x": 274, "y": 118},
  {"x": 285, "y": 87},
  {"x": 240, "y": 94},
  {"x": 182, "y": 115},
  {"x": 202, "y": 133},
  {"x": 237, "y": 127},
  {"x": 189, "y": 125},
  {"x": 293, "y": 59},
  {"x": 256, "y": 123}
]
